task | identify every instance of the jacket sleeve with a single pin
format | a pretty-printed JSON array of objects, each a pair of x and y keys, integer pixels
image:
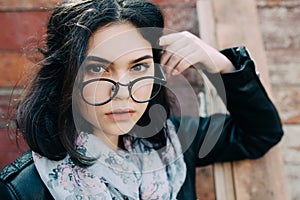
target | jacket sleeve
[{"x": 249, "y": 131}]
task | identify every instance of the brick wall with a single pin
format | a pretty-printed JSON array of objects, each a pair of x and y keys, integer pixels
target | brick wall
[
  {"x": 20, "y": 31},
  {"x": 22, "y": 24},
  {"x": 280, "y": 28}
]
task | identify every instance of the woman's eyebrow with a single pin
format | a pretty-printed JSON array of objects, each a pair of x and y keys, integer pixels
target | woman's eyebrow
[
  {"x": 98, "y": 59},
  {"x": 103, "y": 60},
  {"x": 141, "y": 58}
]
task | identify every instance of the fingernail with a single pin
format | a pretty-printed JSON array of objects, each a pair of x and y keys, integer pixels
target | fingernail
[
  {"x": 160, "y": 42},
  {"x": 175, "y": 72}
]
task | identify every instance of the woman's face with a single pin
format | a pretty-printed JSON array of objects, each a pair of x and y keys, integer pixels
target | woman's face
[{"x": 120, "y": 53}]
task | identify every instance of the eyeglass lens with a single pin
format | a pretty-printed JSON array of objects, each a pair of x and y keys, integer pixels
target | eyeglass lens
[{"x": 102, "y": 91}]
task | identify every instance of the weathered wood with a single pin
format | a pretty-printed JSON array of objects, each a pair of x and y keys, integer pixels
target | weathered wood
[
  {"x": 224, "y": 182},
  {"x": 223, "y": 173},
  {"x": 206, "y": 22},
  {"x": 237, "y": 24},
  {"x": 233, "y": 23}
]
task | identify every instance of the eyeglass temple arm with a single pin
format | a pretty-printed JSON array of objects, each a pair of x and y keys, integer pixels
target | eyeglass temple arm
[{"x": 161, "y": 73}]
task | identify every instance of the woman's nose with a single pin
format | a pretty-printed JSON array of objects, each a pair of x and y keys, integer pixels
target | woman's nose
[{"x": 123, "y": 92}]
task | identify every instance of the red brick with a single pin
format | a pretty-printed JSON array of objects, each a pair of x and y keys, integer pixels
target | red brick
[
  {"x": 280, "y": 27},
  {"x": 7, "y": 106},
  {"x": 49, "y": 4},
  {"x": 5, "y": 116},
  {"x": 283, "y": 56},
  {"x": 181, "y": 19},
  {"x": 27, "y": 4},
  {"x": 284, "y": 68},
  {"x": 282, "y": 3},
  {"x": 287, "y": 100},
  {"x": 9, "y": 96},
  {"x": 269, "y": 2},
  {"x": 8, "y": 157},
  {"x": 7, "y": 139},
  {"x": 11, "y": 145},
  {"x": 20, "y": 30},
  {"x": 285, "y": 74},
  {"x": 10, "y": 149},
  {"x": 5, "y": 97},
  {"x": 15, "y": 69},
  {"x": 176, "y": 3}
]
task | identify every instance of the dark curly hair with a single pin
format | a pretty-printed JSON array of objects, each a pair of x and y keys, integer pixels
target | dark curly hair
[{"x": 45, "y": 116}]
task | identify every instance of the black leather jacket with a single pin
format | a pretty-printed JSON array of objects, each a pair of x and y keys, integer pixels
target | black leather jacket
[{"x": 252, "y": 128}]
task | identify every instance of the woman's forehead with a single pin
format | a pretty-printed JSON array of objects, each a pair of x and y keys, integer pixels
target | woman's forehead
[{"x": 117, "y": 40}]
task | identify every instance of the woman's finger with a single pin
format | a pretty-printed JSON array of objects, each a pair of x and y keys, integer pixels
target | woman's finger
[
  {"x": 176, "y": 58},
  {"x": 185, "y": 63},
  {"x": 172, "y": 49},
  {"x": 169, "y": 39},
  {"x": 164, "y": 59}
]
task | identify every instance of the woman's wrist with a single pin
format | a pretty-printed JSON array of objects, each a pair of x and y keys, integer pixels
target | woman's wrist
[{"x": 228, "y": 67}]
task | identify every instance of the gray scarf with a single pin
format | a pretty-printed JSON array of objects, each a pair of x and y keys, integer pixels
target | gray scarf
[{"x": 138, "y": 173}]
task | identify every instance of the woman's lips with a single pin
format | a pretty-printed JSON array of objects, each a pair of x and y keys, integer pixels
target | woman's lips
[{"x": 120, "y": 114}]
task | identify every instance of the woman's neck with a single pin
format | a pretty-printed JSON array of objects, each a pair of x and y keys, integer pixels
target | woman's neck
[{"x": 110, "y": 140}]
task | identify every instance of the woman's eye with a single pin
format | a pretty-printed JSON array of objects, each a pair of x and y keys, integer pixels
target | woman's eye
[
  {"x": 140, "y": 67},
  {"x": 96, "y": 69}
]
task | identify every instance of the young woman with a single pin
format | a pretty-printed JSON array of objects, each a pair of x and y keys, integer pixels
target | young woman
[{"x": 96, "y": 115}]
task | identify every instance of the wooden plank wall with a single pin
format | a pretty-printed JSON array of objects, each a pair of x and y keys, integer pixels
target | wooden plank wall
[{"x": 233, "y": 23}]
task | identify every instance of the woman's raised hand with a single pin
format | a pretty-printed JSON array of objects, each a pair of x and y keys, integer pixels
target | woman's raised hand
[{"x": 183, "y": 49}]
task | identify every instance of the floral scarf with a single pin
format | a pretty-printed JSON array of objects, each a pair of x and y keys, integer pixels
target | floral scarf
[{"x": 138, "y": 173}]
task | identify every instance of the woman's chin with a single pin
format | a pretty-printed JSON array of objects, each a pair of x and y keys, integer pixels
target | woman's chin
[{"x": 120, "y": 128}]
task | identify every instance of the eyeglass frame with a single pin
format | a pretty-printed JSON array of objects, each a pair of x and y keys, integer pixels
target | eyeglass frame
[{"x": 162, "y": 81}]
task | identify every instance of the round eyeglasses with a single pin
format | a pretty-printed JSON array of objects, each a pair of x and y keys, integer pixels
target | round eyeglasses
[{"x": 100, "y": 91}]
